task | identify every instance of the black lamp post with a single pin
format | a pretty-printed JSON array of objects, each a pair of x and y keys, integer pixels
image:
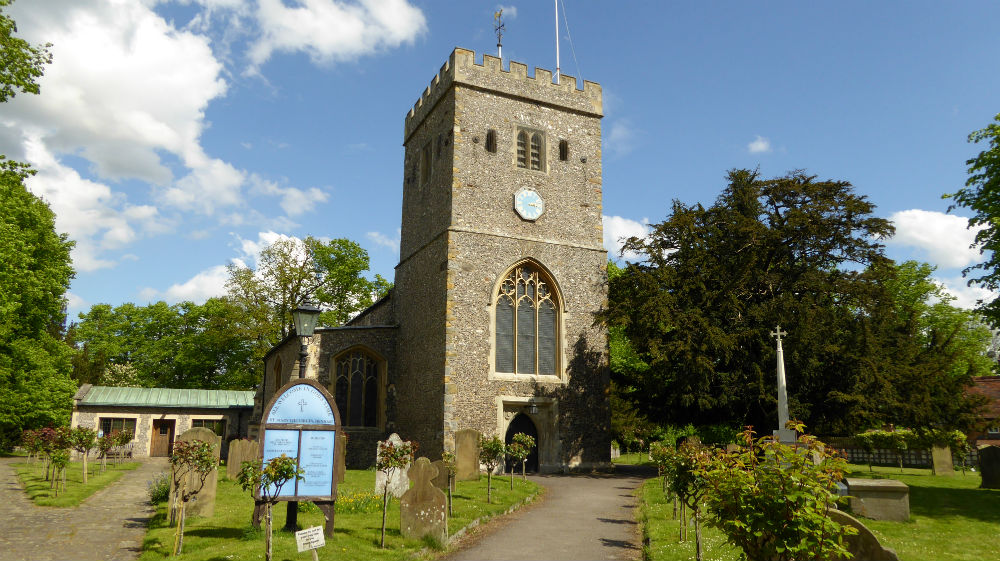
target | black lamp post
[{"x": 304, "y": 317}]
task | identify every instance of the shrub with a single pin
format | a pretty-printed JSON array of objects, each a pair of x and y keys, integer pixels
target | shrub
[{"x": 158, "y": 488}]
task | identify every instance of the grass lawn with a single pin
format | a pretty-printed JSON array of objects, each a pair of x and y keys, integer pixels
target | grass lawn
[
  {"x": 32, "y": 476},
  {"x": 633, "y": 458},
  {"x": 950, "y": 519},
  {"x": 227, "y": 535}
]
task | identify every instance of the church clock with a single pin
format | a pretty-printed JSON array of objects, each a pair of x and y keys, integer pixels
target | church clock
[{"x": 528, "y": 203}]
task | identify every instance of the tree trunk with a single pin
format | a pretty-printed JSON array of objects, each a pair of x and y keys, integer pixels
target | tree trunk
[
  {"x": 489, "y": 486},
  {"x": 512, "y": 479},
  {"x": 450, "y": 483},
  {"x": 385, "y": 507},
  {"x": 267, "y": 535},
  {"x": 523, "y": 464},
  {"x": 697, "y": 536},
  {"x": 84, "y": 468},
  {"x": 179, "y": 534}
]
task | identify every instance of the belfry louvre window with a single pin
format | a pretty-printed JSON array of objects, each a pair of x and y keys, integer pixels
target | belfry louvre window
[
  {"x": 530, "y": 150},
  {"x": 356, "y": 389},
  {"x": 526, "y": 323},
  {"x": 491, "y": 140}
]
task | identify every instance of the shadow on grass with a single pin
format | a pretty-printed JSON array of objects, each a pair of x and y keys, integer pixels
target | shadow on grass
[
  {"x": 936, "y": 502},
  {"x": 225, "y": 533}
]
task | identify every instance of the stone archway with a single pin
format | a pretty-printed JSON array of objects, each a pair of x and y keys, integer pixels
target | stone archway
[{"x": 523, "y": 423}]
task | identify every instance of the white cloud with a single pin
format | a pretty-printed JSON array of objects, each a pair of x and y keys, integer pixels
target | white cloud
[
  {"x": 508, "y": 11},
  {"x": 618, "y": 229},
  {"x": 965, "y": 296},
  {"x": 206, "y": 284},
  {"x": 759, "y": 145},
  {"x": 249, "y": 250},
  {"x": 383, "y": 240},
  {"x": 75, "y": 304},
  {"x": 620, "y": 139},
  {"x": 293, "y": 201},
  {"x": 944, "y": 239},
  {"x": 333, "y": 30}
]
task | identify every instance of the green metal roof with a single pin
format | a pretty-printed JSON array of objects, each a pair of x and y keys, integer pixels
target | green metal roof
[{"x": 167, "y": 397}]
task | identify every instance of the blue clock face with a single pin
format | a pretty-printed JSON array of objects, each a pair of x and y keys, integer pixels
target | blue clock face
[{"x": 528, "y": 204}]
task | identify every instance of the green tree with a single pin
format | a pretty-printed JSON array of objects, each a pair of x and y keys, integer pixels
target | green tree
[
  {"x": 191, "y": 463},
  {"x": 981, "y": 195},
  {"x": 491, "y": 453},
  {"x": 22, "y": 63},
  {"x": 265, "y": 481},
  {"x": 83, "y": 440},
  {"x": 715, "y": 281},
  {"x": 392, "y": 458},
  {"x": 288, "y": 273}
]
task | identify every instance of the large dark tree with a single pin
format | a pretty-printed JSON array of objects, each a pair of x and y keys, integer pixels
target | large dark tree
[{"x": 806, "y": 254}]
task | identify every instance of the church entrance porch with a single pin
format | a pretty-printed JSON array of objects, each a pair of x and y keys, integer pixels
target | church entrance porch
[
  {"x": 535, "y": 416},
  {"x": 521, "y": 423}
]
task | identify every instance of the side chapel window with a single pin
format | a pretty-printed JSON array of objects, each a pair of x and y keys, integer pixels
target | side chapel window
[
  {"x": 356, "y": 389},
  {"x": 526, "y": 323}
]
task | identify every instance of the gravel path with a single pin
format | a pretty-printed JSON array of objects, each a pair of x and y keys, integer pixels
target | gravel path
[
  {"x": 109, "y": 525},
  {"x": 579, "y": 517}
]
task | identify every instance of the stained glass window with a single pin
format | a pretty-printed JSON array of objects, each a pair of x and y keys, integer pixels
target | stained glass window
[{"x": 526, "y": 323}]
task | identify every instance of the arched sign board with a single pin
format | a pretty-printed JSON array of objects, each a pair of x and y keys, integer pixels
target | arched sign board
[{"x": 302, "y": 422}]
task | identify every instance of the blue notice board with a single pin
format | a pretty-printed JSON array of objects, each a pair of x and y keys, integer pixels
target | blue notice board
[{"x": 314, "y": 447}]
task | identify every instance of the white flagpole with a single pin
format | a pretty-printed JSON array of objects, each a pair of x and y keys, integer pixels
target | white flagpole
[{"x": 557, "y": 40}]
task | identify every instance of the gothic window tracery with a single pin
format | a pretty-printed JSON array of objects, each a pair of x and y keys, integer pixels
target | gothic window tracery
[
  {"x": 356, "y": 388},
  {"x": 530, "y": 150},
  {"x": 526, "y": 323}
]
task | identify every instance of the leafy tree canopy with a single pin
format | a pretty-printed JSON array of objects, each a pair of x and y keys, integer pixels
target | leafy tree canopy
[
  {"x": 806, "y": 254},
  {"x": 981, "y": 195},
  {"x": 21, "y": 64}
]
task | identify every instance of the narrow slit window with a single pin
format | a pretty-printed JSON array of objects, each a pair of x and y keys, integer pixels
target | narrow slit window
[
  {"x": 491, "y": 140},
  {"x": 563, "y": 150},
  {"x": 425, "y": 164},
  {"x": 522, "y": 149}
]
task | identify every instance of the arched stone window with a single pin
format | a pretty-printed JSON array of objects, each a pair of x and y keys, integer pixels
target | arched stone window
[
  {"x": 527, "y": 323},
  {"x": 356, "y": 388}
]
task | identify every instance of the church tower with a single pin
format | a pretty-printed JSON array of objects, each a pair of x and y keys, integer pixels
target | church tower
[{"x": 502, "y": 265}]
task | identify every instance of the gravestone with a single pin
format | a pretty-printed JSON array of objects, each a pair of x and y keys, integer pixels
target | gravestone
[
  {"x": 864, "y": 546},
  {"x": 204, "y": 502},
  {"x": 441, "y": 479},
  {"x": 399, "y": 482},
  {"x": 422, "y": 509},
  {"x": 942, "y": 462},
  {"x": 989, "y": 467},
  {"x": 615, "y": 451},
  {"x": 241, "y": 451},
  {"x": 879, "y": 499},
  {"x": 467, "y": 455}
]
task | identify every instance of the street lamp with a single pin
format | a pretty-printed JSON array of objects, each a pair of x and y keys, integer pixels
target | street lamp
[
  {"x": 532, "y": 408},
  {"x": 304, "y": 317}
]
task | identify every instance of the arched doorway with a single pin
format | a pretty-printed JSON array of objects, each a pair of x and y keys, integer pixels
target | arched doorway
[{"x": 523, "y": 423}]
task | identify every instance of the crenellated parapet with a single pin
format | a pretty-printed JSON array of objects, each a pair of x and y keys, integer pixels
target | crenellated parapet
[{"x": 461, "y": 69}]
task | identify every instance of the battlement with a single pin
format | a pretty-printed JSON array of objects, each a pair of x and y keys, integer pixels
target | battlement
[{"x": 461, "y": 68}]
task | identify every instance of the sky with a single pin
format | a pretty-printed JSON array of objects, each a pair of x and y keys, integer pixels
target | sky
[{"x": 174, "y": 137}]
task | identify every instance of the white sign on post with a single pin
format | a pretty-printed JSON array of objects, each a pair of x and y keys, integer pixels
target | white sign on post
[{"x": 310, "y": 538}]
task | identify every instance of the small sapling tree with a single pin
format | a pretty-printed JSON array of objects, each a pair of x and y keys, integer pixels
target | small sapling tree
[
  {"x": 772, "y": 500},
  {"x": 390, "y": 459},
  {"x": 525, "y": 443},
  {"x": 491, "y": 453},
  {"x": 83, "y": 440},
  {"x": 192, "y": 462},
  {"x": 121, "y": 440},
  {"x": 104, "y": 445},
  {"x": 267, "y": 481},
  {"x": 59, "y": 460},
  {"x": 685, "y": 470},
  {"x": 449, "y": 463}
]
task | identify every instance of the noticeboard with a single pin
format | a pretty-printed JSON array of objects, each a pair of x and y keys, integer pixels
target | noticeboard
[{"x": 302, "y": 422}]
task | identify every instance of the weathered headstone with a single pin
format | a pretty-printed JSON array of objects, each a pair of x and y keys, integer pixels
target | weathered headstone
[
  {"x": 441, "y": 479},
  {"x": 942, "y": 462},
  {"x": 879, "y": 499},
  {"x": 467, "y": 455},
  {"x": 615, "y": 451},
  {"x": 864, "y": 545},
  {"x": 989, "y": 467},
  {"x": 422, "y": 509},
  {"x": 241, "y": 451},
  {"x": 399, "y": 482},
  {"x": 204, "y": 502}
]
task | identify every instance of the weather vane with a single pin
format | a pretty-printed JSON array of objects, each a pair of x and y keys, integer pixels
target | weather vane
[{"x": 499, "y": 29}]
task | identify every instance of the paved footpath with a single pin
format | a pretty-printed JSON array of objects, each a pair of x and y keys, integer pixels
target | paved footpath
[
  {"x": 109, "y": 525},
  {"x": 579, "y": 517}
]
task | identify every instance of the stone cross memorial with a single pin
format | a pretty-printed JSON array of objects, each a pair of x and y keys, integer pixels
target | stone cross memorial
[
  {"x": 784, "y": 435},
  {"x": 422, "y": 509},
  {"x": 399, "y": 482}
]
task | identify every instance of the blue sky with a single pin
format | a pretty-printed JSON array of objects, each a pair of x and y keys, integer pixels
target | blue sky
[{"x": 175, "y": 137}]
